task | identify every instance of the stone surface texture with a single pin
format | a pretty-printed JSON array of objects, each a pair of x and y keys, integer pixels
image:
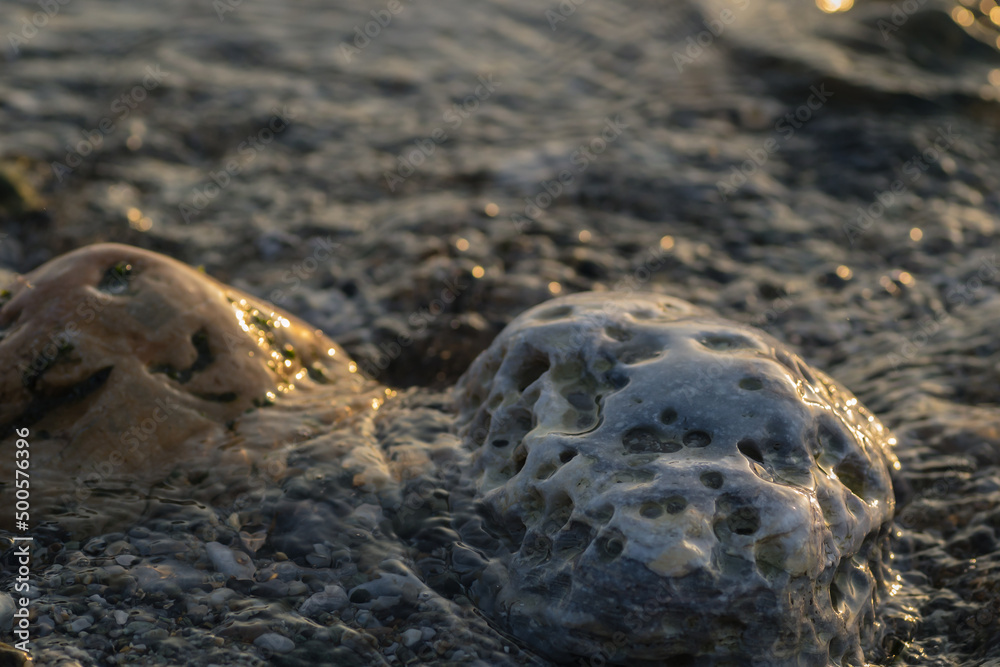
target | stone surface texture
[{"x": 670, "y": 485}]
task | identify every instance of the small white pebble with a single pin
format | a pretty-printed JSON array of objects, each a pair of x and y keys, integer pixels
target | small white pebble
[
  {"x": 81, "y": 624},
  {"x": 411, "y": 637}
]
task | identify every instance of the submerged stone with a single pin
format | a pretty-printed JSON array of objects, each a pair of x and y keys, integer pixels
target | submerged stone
[
  {"x": 669, "y": 485},
  {"x": 128, "y": 368}
]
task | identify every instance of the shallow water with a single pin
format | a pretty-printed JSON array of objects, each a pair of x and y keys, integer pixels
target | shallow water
[{"x": 900, "y": 303}]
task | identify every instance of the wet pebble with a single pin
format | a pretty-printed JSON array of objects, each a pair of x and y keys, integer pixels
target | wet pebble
[
  {"x": 272, "y": 641},
  {"x": 331, "y": 598},
  {"x": 230, "y": 562}
]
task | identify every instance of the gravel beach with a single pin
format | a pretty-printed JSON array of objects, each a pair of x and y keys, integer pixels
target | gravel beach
[{"x": 409, "y": 177}]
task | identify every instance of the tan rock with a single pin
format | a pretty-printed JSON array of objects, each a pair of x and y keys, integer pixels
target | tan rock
[{"x": 129, "y": 368}]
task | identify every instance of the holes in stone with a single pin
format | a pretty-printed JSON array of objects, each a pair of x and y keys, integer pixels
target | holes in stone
[
  {"x": 568, "y": 371},
  {"x": 668, "y": 416},
  {"x": 676, "y": 504},
  {"x": 610, "y": 547},
  {"x": 204, "y": 358},
  {"x": 562, "y": 510},
  {"x": 634, "y": 477},
  {"x": 567, "y": 455},
  {"x": 697, "y": 439},
  {"x": 519, "y": 457},
  {"x": 836, "y": 597},
  {"x": 637, "y": 354},
  {"x": 734, "y": 516},
  {"x": 712, "y": 479},
  {"x": 744, "y": 521},
  {"x": 524, "y": 419},
  {"x": 644, "y": 439},
  {"x": 721, "y": 342},
  {"x": 536, "y": 550},
  {"x": 750, "y": 449},
  {"x": 806, "y": 373},
  {"x": 545, "y": 471},
  {"x": 573, "y": 541},
  {"x": 602, "y": 514},
  {"x": 851, "y": 473},
  {"x": 500, "y": 443},
  {"x": 617, "y": 333},
  {"x": 531, "y": 370},
  {"x": 116, "y": 279},
  {"x": 554, "y": 313},
  {"x": 580, "y": 401},
  {"x": 617, "y": 379},
  {"x": 751, "y": 384},
  {"x": 533, "y": 501},
  {"x": 786, "y": 361},
  {"x": 650, "y": 510}
]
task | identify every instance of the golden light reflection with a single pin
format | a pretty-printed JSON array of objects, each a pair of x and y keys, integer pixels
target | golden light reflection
[
  {"x": 584, "y": 236},
  {"x": 963, "y": 16},
  {"x": 667, "y": 242},
  {"x": 492, "y": 210},
  {"x": 352, "y": 367},
  {"x": 138, "y": 221},
  {"x": 905, "y": 278},
  {"x": 831, "y": 6},
  {"x": 555, "y": 287},
  {"x": 987, "y": 6},
  {"x": 331, "y": 351},
  {"x": 844, "y": 272},
  {"x": 478, "y": 272},
  {"x": 462, "y": 244},
  {"x": 888, "y": 285},
  {"x": 916, "y": 234}
]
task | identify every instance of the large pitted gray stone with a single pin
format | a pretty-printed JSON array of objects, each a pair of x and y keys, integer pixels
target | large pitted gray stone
[{"x": 671, "y": 485}]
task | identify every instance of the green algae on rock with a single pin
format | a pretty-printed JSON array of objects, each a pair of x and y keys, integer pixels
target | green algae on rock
[
  {"x": 657, "y": 473},
  {"x": 131, "y": 368}
]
